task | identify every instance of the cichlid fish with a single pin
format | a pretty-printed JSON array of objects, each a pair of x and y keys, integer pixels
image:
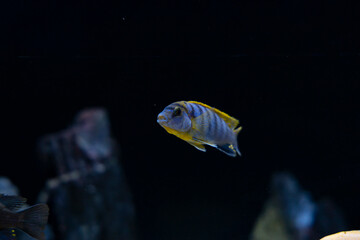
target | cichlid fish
[
  {"x": 199, "y": 124},
  {"x": 31, "y": 220},
  {"x": 348, "y": 235}
]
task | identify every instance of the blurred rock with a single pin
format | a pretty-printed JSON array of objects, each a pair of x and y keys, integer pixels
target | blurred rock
[
  {"x": 291, "y": 214},
  {"x": 329, "y": 219},
  {"x": 7, "y": 187},
  {"x": 271, "y": 224},
  {"x": 89, "y": 197},
  {"x": 92, "y": 134}
]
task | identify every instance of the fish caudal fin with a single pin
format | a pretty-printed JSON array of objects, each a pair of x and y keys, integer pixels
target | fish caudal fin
[
  {"x": 237, "y": 150},
  {"x": 228, "y": 149},
  {"x": 236, "y": 131},
  {"x": 34, "y": 220}
]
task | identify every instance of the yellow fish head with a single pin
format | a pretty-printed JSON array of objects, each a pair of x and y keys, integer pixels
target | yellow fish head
[{"x": 174, "y": 118}]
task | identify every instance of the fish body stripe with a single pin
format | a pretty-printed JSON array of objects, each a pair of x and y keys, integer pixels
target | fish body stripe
[
  {"x": 174, "y": 105},
  {"x": 213, "y": 126},
  {"x": 196, "y": 110},
  {"x": 178, "y": 105},
  {"x": 189, "y": 109},
  {"x": 208, "y": 116},
  {"x": 219, "y": 129},
  {"x": 201, "y": 120},
  {"x": 216, "y": 125},
  {"x": 209, "y": 123},
  {"x": 221, "y": 132},
  {"x": 200, "y": 115}
]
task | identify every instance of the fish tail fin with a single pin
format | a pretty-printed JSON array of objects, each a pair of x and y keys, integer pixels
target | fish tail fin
[
  {"x": 34, "y": 220},
  {"x": 237, "y": 149},
  {"x": 236, "y": 131}
]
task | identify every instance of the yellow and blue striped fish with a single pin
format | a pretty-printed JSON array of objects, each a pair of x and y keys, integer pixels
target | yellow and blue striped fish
[{"x": 199, "y": 124}]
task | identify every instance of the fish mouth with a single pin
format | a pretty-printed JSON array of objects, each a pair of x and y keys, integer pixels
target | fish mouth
[{"x": 161, "y": 119}]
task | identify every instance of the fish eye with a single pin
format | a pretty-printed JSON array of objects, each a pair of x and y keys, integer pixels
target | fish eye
[{"x": 177, "y": 112}]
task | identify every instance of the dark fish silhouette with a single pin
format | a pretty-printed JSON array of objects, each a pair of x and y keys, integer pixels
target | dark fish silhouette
[{"x": 31, "y": 220}]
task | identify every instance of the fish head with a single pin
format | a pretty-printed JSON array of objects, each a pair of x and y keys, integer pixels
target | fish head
[{"x": 175, "y": 117}]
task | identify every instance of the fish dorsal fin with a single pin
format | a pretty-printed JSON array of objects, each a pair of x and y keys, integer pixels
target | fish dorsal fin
[
  {"x": 12, "y": 203},
  {"x": 230, "y": 121}
]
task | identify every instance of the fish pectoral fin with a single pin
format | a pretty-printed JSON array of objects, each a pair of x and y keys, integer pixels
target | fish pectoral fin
[
  {"x": 199, "y": 146},
  {"x": 228, "y": 149}
]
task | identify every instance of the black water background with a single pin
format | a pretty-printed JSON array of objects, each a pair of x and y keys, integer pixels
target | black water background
[{"x": 287, "y": 70}]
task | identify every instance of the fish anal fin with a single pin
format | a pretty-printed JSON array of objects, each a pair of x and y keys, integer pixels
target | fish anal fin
[
  {"x": 230, "y": 121},
  {"x": 8, "y": 234},
  {"x": 198, "y": 145},
  {"x": 228, "y": 149},
  {"x": 203, "y": 142}
]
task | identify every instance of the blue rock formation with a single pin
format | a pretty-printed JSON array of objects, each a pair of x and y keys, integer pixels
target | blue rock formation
[
  {"x": 89, "y": 197},
  {"x": 291, "y": 214}
]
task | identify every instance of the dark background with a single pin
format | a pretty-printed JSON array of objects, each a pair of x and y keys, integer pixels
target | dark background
[{"x": 288, "y": 70}]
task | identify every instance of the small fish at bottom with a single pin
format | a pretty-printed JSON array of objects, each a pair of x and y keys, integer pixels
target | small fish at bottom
[
  {"x": 31, "y": 220},
  {"x": 347, "y": 235},
  {"x": 199, "y": 124}
]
